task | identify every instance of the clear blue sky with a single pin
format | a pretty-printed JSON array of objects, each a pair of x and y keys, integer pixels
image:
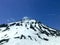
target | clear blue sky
[{"x": 46, "y": 11}]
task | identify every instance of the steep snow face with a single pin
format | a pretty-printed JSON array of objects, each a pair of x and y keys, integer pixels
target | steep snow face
[{"x": 28, "y": 32}]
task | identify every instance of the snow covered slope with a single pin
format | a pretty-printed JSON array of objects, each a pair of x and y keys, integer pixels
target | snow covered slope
[{"x": 28, "y": 32}]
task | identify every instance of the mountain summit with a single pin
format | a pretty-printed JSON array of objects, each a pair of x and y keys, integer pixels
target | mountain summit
[{"x": 28, "y": 32}]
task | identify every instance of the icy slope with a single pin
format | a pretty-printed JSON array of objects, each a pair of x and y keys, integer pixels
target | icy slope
[{"x": 28, "y": 32}]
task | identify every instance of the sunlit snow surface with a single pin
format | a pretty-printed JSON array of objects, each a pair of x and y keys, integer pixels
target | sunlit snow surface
[{"x": 28, "y": 32}]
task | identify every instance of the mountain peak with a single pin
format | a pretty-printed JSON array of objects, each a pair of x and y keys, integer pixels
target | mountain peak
[{"x": 28, "y": 30}]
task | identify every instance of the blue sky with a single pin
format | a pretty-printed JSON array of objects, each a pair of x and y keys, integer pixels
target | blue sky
[{"x": 46, "y": 11}]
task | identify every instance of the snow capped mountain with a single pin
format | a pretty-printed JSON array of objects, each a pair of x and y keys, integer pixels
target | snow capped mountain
[{"x": 28, "y": 32}]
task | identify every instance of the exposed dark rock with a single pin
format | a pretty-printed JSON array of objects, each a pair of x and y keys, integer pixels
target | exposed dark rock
[
  {"x": 58, "y": 34},
  {"x": 38, "y": 36},
  {"x": 7, "y": 28},
  {"x": 44, "y": 32},
  {"x": 3, "y": 40},
  {"x": 12, "y": 24},
  {"x": 17, "y": 24},
  {"x": 25, "y": 25},
  {"x": 3, "y": 25},
  {"x": 5, "y": 35},
  {"x": 22, "y": 36},
  {"x": 21, "y": 24},
  {"x": 30, "y": 37},
  {"x": 45, "y": 39},
  {"x": 32, "y": 27},
  {"x": 17, "y": 37}
]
